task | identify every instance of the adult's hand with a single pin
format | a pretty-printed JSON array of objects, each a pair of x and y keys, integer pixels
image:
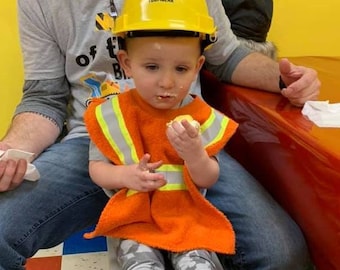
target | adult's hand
[
  {"x": 30, "y": 132},
  {"x": 302, "y": 82},
  {"x": 11, "y": 171}
]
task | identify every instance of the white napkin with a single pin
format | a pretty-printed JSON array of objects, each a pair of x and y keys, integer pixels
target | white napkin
[
  {"x": 32, "y": 173},
  {"x": 322, "y": 114}
]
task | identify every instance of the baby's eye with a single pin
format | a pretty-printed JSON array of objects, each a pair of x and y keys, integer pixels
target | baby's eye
[
  {"x": 151, "y": 67},
  {"x": 181, "y": 69}
]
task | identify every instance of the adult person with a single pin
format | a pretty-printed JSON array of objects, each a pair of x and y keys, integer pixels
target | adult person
[
  {"x": 65, "y": 57},
  {"x": 250, "y": 21}
]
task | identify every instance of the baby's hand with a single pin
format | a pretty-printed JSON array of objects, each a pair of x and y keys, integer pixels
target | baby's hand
[
  {"x": 145, "y": 178},
  {"x": 185, "y": 138}
]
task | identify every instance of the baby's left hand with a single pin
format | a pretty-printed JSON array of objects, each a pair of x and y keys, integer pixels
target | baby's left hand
[{"x": 185, "y": 139}]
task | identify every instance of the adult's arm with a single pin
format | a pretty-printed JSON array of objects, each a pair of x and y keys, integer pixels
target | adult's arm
[
  {"x": 37, "y": 123},
  {"x": 40, "y": 115},
  {"x": 231, "y": 62},
  {"x": 261, "y": 72}
]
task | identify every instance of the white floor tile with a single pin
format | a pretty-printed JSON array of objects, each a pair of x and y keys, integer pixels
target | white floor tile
[
  {"x": 55, "y": 251},
  {"x": 90, "y": 261}
]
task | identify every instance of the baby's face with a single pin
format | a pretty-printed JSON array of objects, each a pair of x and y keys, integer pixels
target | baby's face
[{"x": 163, "y": 68}]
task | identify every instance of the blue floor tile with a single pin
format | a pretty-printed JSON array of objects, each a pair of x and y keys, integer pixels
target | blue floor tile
[{"x": 78, "y": 244}]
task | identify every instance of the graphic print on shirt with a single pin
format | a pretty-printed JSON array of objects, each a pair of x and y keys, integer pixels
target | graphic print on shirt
[
  {"x": 107, "y": 84},
  {"x": 101, "y": 89},
  {"x": 105, "y": 22}
]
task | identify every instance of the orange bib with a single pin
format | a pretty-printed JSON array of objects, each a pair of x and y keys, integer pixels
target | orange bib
[{"x": 175, "y": 217}]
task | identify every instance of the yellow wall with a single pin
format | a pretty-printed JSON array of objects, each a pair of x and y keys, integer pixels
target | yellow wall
[
  {"x": 299, "y": 28},
  {"x": 11, "y": 69},
  {"x": 306, "y": 27}
]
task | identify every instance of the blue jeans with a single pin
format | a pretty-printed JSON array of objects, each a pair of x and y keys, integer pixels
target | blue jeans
[
  {"x": 42, "y": 214},
  {"x": 266, "y": 237}
]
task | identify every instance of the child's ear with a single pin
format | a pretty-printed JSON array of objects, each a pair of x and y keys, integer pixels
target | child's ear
[
  {"x": 200, "y": 63},
  {"x": 124, "y": 61}
]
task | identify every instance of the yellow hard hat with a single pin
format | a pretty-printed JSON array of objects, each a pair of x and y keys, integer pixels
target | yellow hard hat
[{"x": 165, "y": 15}]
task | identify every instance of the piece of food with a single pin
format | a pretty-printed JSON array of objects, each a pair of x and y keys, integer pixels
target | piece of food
[{"x": 187, "y": 117}]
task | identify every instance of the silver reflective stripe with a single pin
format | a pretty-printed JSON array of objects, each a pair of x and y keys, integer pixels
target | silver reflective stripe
[
  {"x": 116, "y": 132},
  {"x": 213, "y": 128},
  {"x": 174, "y": 178}
]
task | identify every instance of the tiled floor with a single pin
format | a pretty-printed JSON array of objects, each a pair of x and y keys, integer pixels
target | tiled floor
[{"x": 76, "y": 253}]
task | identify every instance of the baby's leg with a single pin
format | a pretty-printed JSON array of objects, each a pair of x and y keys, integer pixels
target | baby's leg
[
  {"x": 135, "y": 256},
  {"x": 193, "y": 260}
]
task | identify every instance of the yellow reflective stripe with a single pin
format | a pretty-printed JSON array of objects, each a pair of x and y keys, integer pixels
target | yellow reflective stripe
[
  {"x": 106, "y": 131},
  {"x": 206, "y": 125},
  {"x": 131, "y": 192},
  {"x": 172, "y": 187},
  {"x": 219, "y": 135},
  {"x": 116, "y": 132},
  {"x": 167, "y": 187},
  {"x": 173, "y": 175},
  {"x": 170, "y": 168},
  {"x": 123, "y": 129},
  {"x": 213, "y": 128}
]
